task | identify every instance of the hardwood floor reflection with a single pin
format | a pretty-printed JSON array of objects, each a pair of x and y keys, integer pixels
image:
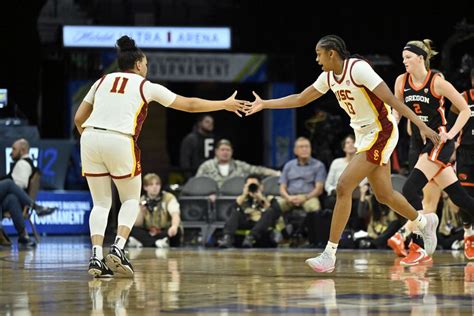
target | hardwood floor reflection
[{"x": 52, "y": 280}]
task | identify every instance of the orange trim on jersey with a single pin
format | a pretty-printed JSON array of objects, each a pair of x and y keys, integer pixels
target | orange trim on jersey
[
  {"x": 433, "y": 156},
  {"x": 404, "y": 82},
  {"x": 467, "y": 184},
  {"x": 471, "y": 92},
  {"x": 344, "y": 70},
  {"x": 350, "y": 74},
  {"x": 442, "y": 111},
  {"x": 432, "y": 88},
  {"x": 412, "y": 85}
]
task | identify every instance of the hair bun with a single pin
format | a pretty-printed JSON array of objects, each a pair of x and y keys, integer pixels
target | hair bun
[{"x": 125, "y": 43}]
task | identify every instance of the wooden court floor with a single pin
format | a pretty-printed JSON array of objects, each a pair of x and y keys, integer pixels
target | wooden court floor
[{"x": 52, "y": 280}]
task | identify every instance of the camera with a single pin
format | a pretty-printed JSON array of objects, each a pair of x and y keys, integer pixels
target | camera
[
  {"x": 253, "y": 187},
  {"x": 150, "y": 204}
]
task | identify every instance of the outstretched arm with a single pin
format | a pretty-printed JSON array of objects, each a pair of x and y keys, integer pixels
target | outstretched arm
[
  {"x": 292, "y": 101},
  {"x": 383, "y": 92},
  {"x": 230, "y": 104}
]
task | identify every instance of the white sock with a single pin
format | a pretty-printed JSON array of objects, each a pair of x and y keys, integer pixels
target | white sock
[
  {"x": 120, "y": 242},
  {"x": 468, "y": 231},
  {"x": 331, "y": 248},
  {"x": 97, "y": 252},
  {"x": 420, "y": 221}
]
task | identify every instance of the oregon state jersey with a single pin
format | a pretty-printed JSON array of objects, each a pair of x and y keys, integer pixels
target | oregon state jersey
[
  {"x": 120, "y": 102},
  {"x": 353, "y": 91},
  {"x": 426, "y": 104},
  {"x": 467, "y": 132}
]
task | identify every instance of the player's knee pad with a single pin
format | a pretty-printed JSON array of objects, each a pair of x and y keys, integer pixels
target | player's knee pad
[
  {"x": 98, "y": 220},
  {"x": 128, "y": 213},
  {"x": 413, "y": 188}
]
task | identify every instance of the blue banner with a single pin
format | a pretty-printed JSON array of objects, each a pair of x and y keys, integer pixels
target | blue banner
[
  {"x": 279, "y": 128},
  {"x": 72, "y": 218}
]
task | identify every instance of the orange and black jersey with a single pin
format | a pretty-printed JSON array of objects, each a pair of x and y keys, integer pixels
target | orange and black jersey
[
  {"x": 467, "y": 133},
  {"x": 426, "y": 104}
]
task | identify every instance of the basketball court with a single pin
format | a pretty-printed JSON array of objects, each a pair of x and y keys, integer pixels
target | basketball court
[{"x": 52, "y": 280}]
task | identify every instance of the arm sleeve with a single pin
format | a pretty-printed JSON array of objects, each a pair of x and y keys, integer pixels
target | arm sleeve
[
  {"x": 321, "y": 84},
  {"x": 363, "y": 74},
  {"x": 89, "y": 98},
  {"x": 158, "y": 93},
  {"x": 21, "y": 174},
  {"x": 173, "y": 207}
]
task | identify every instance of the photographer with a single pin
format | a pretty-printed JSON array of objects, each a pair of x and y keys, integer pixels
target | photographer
[
  {"x": 158, "y": 222},
  {"x": 246, "y": 212}
]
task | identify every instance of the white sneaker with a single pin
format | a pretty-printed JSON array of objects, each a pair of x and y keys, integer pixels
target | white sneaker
[
  {"x": 134, "y": 243},
  {"x": 429, "y": 233},
  {"x": 162, "y": 243},
  {"x": 325, "y": 262}
]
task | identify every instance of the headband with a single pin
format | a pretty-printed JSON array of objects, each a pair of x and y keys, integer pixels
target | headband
[{"x": 416, "y": 50}]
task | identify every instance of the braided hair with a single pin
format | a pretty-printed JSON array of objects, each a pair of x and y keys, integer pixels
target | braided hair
[{"x": 336, "y": 43}]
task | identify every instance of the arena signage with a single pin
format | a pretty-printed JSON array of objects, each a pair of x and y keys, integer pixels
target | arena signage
[
  {"x": 148, "y": 37},
  {"x": 71, "y": 218}
]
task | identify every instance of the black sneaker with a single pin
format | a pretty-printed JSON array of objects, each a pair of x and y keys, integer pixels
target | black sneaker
[
  {"x": 118, "y": 262},
  {"x": 98, "y": 268},
  {"x": 24, "y": 242},
  {"x": 43, "y": 210}
]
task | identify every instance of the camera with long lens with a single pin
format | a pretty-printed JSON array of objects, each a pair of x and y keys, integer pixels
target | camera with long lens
[{"x": 253, "y": 187}]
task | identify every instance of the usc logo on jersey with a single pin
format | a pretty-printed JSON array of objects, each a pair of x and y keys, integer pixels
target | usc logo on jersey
[{"x": 376, "y": 154}]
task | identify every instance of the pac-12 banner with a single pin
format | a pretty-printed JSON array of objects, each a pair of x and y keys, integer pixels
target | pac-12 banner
[
  {"x": 219, "y": 67},
  {"x": 50, "y": 156},
  {"x": 72, "y": 218}
]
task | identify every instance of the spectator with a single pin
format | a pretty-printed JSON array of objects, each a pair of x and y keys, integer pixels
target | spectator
[
  {"x": 13, "y": 188},
  {"x": 382, "y": 221},
  {"x": 335, "y": 170},
  {"x": 224, "y": 167},
  {"x": 302, "y": 180},
  {"x": 197, "y": 146},
  {"x": 246, "y": 215},
  {"x": 339, "y": 164},
  {"x": 158, "y": 222}
]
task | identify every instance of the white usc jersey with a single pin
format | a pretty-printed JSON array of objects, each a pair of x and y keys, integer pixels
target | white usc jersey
[
  {"x": 353, "y": 90},
  {"x": 120, "y": 102}
]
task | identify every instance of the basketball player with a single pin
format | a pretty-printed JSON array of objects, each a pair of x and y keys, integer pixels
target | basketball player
[
  {"x": 365, "y": 98},
  {"x": 423, "y": 91},
  {"x": 110, "y": 119},
  {"x": 465, "y": 166}
]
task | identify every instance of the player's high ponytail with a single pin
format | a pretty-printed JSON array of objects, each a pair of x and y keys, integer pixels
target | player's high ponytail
[
  {"x": 336, "y": 43},
  {"x": 128, "y": 53}
]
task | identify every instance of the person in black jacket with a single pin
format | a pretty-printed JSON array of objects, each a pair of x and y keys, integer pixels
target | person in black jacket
[{"x": 197, "y": 146}]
